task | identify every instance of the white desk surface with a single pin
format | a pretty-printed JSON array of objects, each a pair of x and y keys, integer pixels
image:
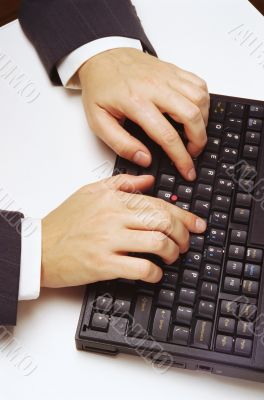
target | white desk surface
[{"x": 47, "y": 151}]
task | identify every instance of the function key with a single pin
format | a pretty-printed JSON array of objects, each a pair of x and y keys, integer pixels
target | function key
[
  {"x": 206, "y": 309},
  {"x": 180, "y": 335},
  {"x": 229, "y": 155},
  {"x": 167, "y": 181},
  {"x": 209, "y": 290},
  {"x": 238, "y": 236},
  {"x": 224, "y": 344},
  {"x": 256, "y": 111},
  {"x": 196, "y": 242},
  {"x": 184, "y": 192},
  {"x": 217, "y": 110},
  {"x": 254, "y": 255},
  {"x": 226, "y": 325},
  {"x": 236, "y": 110},
  {"x": 100, "y": 322},
  {"x": 255, "y": 124},
  {"x": 247, "y": 311},
  {"x": 161, "y": 324},
  {"x": 243, "y": 347},
  {"x": 236, "y": 252},
  {"x": 231, "y": 285},
  {"x": 250, "y": 152},
  {"x": 245, "y": 328},
  {"x": 215, "y": 129},
  {"x": 211, "y": 272},
  {"x": 166, "y": 298},
  {"x": 187, "y": 296},
  {"x": 252, "y": 271},
  {"x": 243, "y": 200},
  {"x": 234, "y": 124},
  {"x": 241, "y": 215},
  {"x": 169, "y": 279},
  {"x": 250, "y": 288},
  {"x": 219, "y": 219},
  {"x": 213, "y": 144},
  {"x": 228, "y": 308},
  {"x": 184, "y": 315},
  {"x": 202, "y": 334},
  {"x": 231, "y": 140},
  {"x": 234, "y": 268},
  {"x": 252, "y": 138}
]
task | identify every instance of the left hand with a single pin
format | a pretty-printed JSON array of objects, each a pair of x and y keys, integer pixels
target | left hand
[{"x": 129, "y": 83}]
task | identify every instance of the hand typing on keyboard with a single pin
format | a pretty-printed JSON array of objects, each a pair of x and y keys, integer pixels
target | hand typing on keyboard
[
  {"x": 88, "y": 237},
  {"x": 129, "y": 83}
]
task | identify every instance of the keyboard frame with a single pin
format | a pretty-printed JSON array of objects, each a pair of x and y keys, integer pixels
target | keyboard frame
[{"x": 182, "y": 356}]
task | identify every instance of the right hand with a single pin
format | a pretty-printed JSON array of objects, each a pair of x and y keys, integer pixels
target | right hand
[{"x": 89, "y": 236}]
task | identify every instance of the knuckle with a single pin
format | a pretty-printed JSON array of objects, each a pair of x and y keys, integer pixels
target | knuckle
[
  {"x": 200, "y": 97},
  {"x": 160, "y": 241},
  {"x": 203, "y": 85},
  {"x": 145, "y": 269},
  {"x": 193, "y": 114}
]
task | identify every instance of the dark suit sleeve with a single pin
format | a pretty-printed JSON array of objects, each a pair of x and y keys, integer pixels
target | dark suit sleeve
[
  {"x": 57, "y": 27},
  {"x": 10, "y": 253}
]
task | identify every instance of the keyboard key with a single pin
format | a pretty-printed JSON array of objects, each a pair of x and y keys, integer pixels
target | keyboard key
[
  {"x": 202, "y": 334},
  {"x": 166, "y": 298},
  {"x": 245, "y": 185},
  {"x": 206, "y": 309},
  {"x": 232, "y": 285},
  {"x": 216, "y": 237},
  {"x": 209, "y": 290},
  {"x": 213, "y": 144},
  {"x": 226, "y": 170},
  {"x": 250, "y": 152},
  {"x": 228, "y": 308},
  {"x": 254, "y": 255},
  {"x": 164, "y": 195},
  {"x": 247, "y": 171},
  {"x": 100, "y": 322},
  {"x": 219, "y": 219},
  {"x": 212, "y": 272},
  {"x": 193, "y": 260},
  {"x": 118, "y": 326},
  {"x": 183, "y": 206},
  {"x": 250, "y": 288},
  {"x": 190, "y": 278},
  {"x": 231, "y": 140},
  {"x": 221, "y": 203},
  {"x": 207, "y": 175},
  {"x": 238, "y": 236},
  {"x": 184, "y": 315},
  {"x": 180, "y": 335},
  {"x": 169, "y": 279},
  {"x": 224, "y": 186},
  {"x": 196, "y": 242},
  {"x": 141, "y": 315},
  {"x": 209, "y": 160},
  {"x": 241, "y": 215},
  {"x": 104, "y": 303},
  {"x": 215, "y": 128},
  {"x": 185, "y": 192},
  {"x": 234, "y": 268},
  {"x": 187, "y": 296},
  {"x": 161, "y": 324},
  {"x": 236, "y": 252},
  {"x": 226, "y": 325},
  {"x": 252, "y": 271},
  {"x": 252, "y": 138},
  {"x": 255, "y": 124},
  {"x": 236, "y": 110},
  {"x": 203, "y": 192},
  {"x": 217, "y": 110},
  {"x": 229, "y": 155},
  {"x": 234, "y": 124},
  {"x": 224, "y": 344},
  {"x": 243, "y": 200},
  {"x": 121, "y": 307},
  {"x": 201, "y": 208},
  {"x": 256, "y": 111},
  {"x": 213, "y": 254},
  {"x": 247, "y": 311},
  {"x": 245, "y": 328},
  {"x": 167, "y": 181},
  {"x": 243, "y": 347}
]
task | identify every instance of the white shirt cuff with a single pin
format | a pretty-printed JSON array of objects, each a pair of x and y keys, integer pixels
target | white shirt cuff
[
  {"x": 30, "y": 266},
  {"x": 70, "y": 64}
]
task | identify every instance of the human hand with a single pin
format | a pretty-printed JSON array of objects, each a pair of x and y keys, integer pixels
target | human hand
[
  {"x": 129, "y": 83},
  {"x": 88, "y": 237}
]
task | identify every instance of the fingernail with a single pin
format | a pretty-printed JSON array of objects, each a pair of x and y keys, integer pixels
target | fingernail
[
  {"x": 142, "y": 159},
  {"x": 192, "y": 174},
  {"x": 200, "y": 224}
]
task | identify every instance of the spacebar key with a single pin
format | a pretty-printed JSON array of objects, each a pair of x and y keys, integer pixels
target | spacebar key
[{"x": 202, "y": 334}]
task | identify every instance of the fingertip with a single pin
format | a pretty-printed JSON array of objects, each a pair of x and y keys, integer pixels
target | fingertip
[
  {"x": 200, "y": 225},
  {"x": 142, "y": 158}
]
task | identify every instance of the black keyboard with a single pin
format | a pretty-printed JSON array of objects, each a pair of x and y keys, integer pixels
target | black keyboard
[{"x": 210, "y": 298}]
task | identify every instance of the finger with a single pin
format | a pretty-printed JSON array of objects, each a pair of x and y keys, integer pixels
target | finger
[
  {"x": 122, "y": 182},
  {"x": 115, "y": 136},
  {"x": 162, "y": 221},
  {"x": 194, "y": 93},
  {"x": 162, "y": 132},
  {"x": 135, "y": 241},
  {"x": 136, "y": 269},
  {"x": 191, "y": 222},
  {"x": 184, "y": 111}
]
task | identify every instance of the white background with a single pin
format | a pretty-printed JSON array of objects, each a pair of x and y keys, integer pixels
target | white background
[{"x": 47, "y": 152}]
